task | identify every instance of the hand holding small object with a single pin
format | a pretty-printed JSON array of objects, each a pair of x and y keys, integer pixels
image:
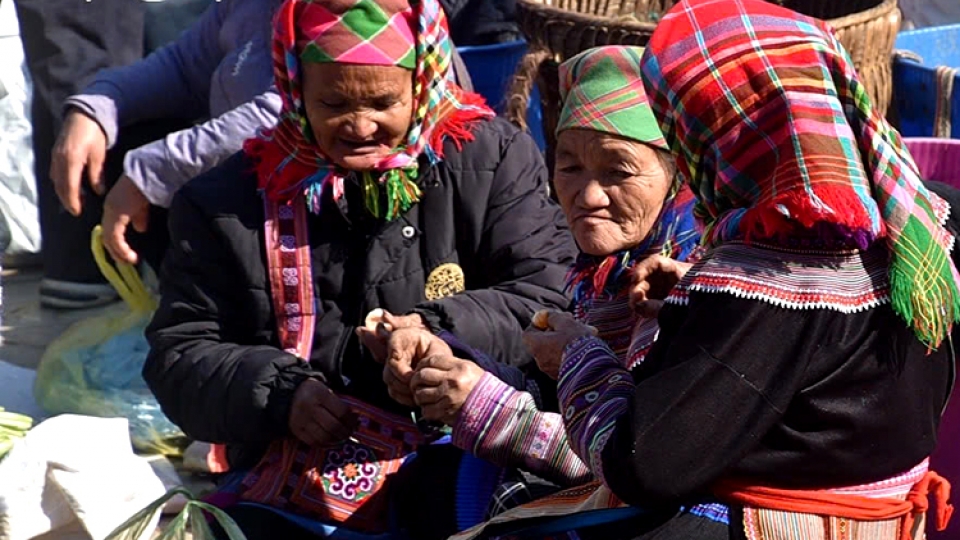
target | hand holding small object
[
  {"x": 441, "y": 384},
  {"x": 378, "y": 326},
  {"x": 406, "y": 348},
  {"x": 548, "y": 336}
]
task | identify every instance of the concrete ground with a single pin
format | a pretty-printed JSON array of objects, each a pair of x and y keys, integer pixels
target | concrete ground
[{"x": 26, "y": 327}]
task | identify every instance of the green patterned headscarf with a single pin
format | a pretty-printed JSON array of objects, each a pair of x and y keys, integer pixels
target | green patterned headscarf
[
  {"x": 602, "y": 91},
  {"x": 366, "y": 32}
]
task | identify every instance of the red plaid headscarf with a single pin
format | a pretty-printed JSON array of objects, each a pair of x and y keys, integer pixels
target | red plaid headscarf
[{"x": 777, "y": 137}]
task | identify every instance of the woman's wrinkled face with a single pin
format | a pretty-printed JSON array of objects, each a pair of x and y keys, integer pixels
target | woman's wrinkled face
[
  {"x": 358, "y": 113},
  {"x": 611, "y": 189}
]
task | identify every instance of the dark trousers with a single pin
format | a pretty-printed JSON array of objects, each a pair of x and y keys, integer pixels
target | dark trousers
[{"x": 65, "y": 43}]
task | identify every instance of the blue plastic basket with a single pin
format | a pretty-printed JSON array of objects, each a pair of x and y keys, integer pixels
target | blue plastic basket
[
  {"x": 491, "y": 67},
  {"x": 915, "y": 83}
]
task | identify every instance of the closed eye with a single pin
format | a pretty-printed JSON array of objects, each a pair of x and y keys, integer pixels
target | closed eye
[
  {"x": 332, "y": 104},
  {"x": 569, "y": 169},
  {"x": 383, "y": 104},
  {"x": 618, "y": 174}
]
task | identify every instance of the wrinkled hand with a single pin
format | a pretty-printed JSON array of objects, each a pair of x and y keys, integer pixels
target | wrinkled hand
[
  {"x": 653, "y": 278},
  {"x": 405, "y": 349},
  {"x": 125, "y": 205},
  {"x": 375, "y": 334},
  {"x": 82, "y": 144},
  {"x": 318, "y": 417},
  {"x": 441, "y": 384},
  {"x": 546, "y": 346}
]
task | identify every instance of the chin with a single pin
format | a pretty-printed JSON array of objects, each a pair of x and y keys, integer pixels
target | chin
[{"x": 594, "y": 242}]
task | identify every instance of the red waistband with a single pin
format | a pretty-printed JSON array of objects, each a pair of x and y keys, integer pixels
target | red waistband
[{"x": 846, "y": 505}]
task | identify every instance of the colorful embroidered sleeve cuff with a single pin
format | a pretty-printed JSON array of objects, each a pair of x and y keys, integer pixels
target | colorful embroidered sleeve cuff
[
  {"x": 594, "y": 391},
  {"x": 502, "y": 425}
]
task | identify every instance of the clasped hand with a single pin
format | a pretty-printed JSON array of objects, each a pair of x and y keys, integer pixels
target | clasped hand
[{"x": 419, "y": 368}]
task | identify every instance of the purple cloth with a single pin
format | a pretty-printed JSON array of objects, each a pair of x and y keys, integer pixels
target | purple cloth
[
  {"x": 218, "y": 73},
  {"x": 937, "y": 159},
  {"x": 503, "y": 425}
]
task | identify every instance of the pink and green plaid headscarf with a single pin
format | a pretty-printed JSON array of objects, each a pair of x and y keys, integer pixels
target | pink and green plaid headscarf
[
  {"x": 776, "y": 135},
  {"x": 601, "y": 90},
  {"x": 368, "y": 32}
]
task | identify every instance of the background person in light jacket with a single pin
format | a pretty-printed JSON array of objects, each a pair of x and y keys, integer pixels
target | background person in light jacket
[{"x": 137, "y": 133}]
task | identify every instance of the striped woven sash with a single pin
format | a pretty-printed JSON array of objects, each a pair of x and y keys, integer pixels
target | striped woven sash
[{"x": 891, "y": 509}]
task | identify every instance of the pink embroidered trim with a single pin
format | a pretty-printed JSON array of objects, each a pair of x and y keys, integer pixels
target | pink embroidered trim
[
  {"x": 848, "y": 282},
  {"x": 893, "y": 488},
  {"x": 291, "y": 277}
]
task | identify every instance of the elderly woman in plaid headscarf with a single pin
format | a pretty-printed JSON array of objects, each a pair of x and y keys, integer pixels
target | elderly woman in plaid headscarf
[
  {"x": 616, "y": 183},
  {"x": 385, "y": 199}
]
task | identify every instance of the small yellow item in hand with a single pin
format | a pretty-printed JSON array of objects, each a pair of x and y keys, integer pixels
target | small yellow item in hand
[{"x": 541, "y": 319}]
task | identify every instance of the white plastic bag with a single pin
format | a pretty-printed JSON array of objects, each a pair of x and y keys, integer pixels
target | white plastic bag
[
  {"x": 72, "y": 470},
  {"x": 19, "y": 225}
]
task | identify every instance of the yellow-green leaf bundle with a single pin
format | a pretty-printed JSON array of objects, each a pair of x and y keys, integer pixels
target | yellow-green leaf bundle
[{"x": 13, "y": 426}]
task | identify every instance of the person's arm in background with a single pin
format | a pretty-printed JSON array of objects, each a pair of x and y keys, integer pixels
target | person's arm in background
[
  {"x": 153, "y": 173},
  {"x": 525, "y": 251},
  {"x": 160, "y": 168},
  {"x": 171, "y": 83},
  {"x": 175, "y": 81}
]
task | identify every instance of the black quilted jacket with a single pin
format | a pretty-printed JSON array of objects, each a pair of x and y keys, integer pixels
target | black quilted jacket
[{"x": 214, "y": 363}]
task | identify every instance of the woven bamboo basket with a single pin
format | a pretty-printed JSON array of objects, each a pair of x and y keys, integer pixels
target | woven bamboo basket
[{"x": 560, "y": 29}]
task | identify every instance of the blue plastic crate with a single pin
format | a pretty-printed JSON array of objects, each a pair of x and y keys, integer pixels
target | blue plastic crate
[
  {"x": 491, "y": 67},
  {"x": 915, "y": 84}
]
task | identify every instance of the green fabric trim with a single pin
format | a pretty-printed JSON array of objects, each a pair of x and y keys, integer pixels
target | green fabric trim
[
  {"x": 365, "y": 19},
  {"x": 315, "y": 55},
  {"x": 409, "y": 61},
  {"x": 922, "y": 288}
]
